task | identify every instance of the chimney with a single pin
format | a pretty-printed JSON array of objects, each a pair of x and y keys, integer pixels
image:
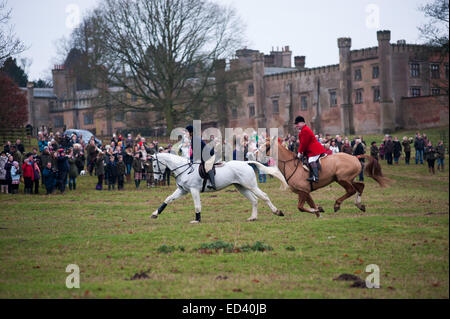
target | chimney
[{"x": 299, "y": 62}]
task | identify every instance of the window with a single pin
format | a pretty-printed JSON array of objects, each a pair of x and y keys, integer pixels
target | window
[
  {"x": 415, "y": 91},
  {"x": 304, "y": 103},
  {"x": 435, "y": 91},
  {"x": 415, "y": 70},
  {"x": 58, "y": 121},
  {"x": 251, "y": 90},
  {"x": 251, "y": 110},
  {"x": 333, "y": 98},
  {"x": 234, "y": 112},
  {"x": 359, "y": 96},
  {"x": 275, "y": 108},
  {"x": 119, "y": 116},
  {"x": 435, "y": 74},
  {"x": 88, "y": 118},
  {"x": 133, "y": 98},
  {"x": 358, "y": 76},
  {"x": 376, "y": 94},
  {"x": 375, "y": 72}
]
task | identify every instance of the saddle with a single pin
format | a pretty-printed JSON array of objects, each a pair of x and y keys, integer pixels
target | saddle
[
  {"x": 306, "y": 164},
  {"x": 204, "y": 175}
]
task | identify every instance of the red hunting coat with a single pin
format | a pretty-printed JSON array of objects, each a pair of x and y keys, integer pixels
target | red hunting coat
[{"x": 308, "y": 143}]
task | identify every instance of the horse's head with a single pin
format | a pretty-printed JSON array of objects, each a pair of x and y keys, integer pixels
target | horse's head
[{"x": 159, "y": 168}]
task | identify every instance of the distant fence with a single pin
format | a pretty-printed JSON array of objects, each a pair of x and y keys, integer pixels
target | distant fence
[{"x": 14, "y": 133}]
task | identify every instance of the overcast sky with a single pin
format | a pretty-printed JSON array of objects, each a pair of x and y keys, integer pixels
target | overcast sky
[{"x": 310, "y": 28}]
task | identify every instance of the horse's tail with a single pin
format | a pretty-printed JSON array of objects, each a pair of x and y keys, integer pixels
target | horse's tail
[
  {"x": 274, "y": 171},
  {"x": 373, "y": 170}
]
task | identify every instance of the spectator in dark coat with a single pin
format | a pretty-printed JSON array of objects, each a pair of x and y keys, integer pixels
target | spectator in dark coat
[
  {"x": 121, "y": 170},
  {"x": 73, "y": 171},
  {"x": 441, "y": 155},
  {"x": 381, "y": 150},
  {"x": 63, "y": 166},
  {"x": 407, "y": 148},
  {"x": 100, "y": 170},
  {"x": 49, "y": 175},
  {"x": 389, "y": 150},
  {"x": 359, "y": 150},
  {"x": 111, "y": 171},
  {"x": 397, "y": 150},
  {"x": 346, "y": 148},
  {"x": 430, "y": 157},
  {"x": 374, "y": 150},
  {"x": 419, "y": 145},
  {"x": 20, "y": 147}
]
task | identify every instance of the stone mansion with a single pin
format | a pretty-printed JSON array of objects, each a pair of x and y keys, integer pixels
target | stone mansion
[{"x": 372, "y": 90}]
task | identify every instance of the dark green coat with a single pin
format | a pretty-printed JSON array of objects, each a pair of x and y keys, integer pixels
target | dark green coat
[
  {"x": 73, "y": 169},
  {"x": 137, "y": 165},
  {"x": 121, "y": 168},
  {"x": 99, "y": 166}
]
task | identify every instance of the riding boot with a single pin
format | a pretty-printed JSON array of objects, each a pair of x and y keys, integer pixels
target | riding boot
[
  {"x": 315, "y": 173},
  {"x": 212, "y": 180}
]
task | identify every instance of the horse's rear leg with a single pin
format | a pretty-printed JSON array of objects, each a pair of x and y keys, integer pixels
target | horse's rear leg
[
  {"x": 305, "y": 197},
  {"x": 350, "y": 192},
  {"x": 260, "y": 194},
  {"x": 252, "y": 198},
  {"x": 359, "y": 188}
]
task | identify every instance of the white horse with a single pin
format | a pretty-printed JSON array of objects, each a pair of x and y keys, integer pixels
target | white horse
[{"x": 238, "y": 173}]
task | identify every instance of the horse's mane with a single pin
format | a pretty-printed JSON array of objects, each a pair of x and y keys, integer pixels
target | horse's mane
[{"x": 293, "y": 155}]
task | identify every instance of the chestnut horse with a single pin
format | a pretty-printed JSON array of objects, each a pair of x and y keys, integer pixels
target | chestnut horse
[{"x": 341, "y": 168}]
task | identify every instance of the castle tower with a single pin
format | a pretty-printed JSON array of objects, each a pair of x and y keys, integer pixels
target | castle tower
[
  {"x": 30, "y": 97},
  {"x": 258, "y": 83},
  {"x": 387, "y": 104},
  {"x": 345, "y": 85}
]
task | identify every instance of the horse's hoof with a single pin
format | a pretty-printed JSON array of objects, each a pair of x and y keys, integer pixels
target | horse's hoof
[
  {"x": 336, "y": 208},
  {"x": 363, "y": 208},
  {"x": 320, "y": 209},
  {"x": 318, "y": 215},
  {"x": 195, "y": 222},
  {"x": 154, "y": 216},
  {"x": 251, "y": 219},
  {"x": 279, "y": 213}
]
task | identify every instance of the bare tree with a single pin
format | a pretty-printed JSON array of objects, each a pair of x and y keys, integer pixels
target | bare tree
[
  {"x": 9, "y": 44},
  {"x": 436, "y": 30},
  {"x": 162, "y": 53},
  {"x": 436, "y": 34}
]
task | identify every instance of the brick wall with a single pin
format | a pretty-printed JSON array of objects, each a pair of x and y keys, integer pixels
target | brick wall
[{"x": 425, "y": 111}]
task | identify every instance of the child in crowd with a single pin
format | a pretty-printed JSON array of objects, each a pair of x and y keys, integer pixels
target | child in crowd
[
  {"x": 99, "y": 170},
  {"x": 28, "y": 173},
  {"x": 15, "y": 178},
  {"x": 73, "y": 171},
  {"x": 111, "y": 170},
  {"x": 138, "y": 168},
  {"x": 121, "y": 170},
  {"x": 49, "y": 176},
  {"x": 374, "y": 150}
]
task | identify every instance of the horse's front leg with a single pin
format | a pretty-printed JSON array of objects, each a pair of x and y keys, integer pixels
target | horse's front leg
[
  {"x": 175, "y": 195},
  {"x": 198, "y": 205}
]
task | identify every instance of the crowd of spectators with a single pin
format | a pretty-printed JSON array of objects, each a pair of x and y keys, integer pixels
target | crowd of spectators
[{"x": 58, "y": 160}]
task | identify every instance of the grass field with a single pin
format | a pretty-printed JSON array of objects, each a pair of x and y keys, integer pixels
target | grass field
[{"x": 110, "y": 236}]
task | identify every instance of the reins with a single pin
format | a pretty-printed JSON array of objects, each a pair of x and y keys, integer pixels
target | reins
[
  {"x": 284, "y": 167},
  {"x": 187, "y": 164}
]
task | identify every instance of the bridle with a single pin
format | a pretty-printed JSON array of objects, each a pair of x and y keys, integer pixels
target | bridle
[
  {"x": 160, "y": 172},
  {"x": 284, "y": 167}
]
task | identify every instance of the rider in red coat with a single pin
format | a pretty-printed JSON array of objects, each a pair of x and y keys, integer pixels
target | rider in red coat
[{"x": 309, "y": 146}]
